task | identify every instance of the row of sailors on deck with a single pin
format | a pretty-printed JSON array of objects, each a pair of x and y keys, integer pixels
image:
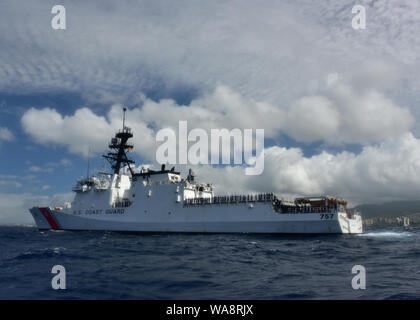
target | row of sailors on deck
[
  {"x": 233, "y": 199},
  {"x": 307, "y": 209}
]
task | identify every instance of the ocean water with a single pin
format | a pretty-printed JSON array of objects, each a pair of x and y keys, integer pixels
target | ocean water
[{"x": 112, "y": 265}]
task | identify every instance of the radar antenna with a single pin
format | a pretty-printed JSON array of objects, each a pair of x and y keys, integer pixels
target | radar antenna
[{"x": 120, "y": 147}]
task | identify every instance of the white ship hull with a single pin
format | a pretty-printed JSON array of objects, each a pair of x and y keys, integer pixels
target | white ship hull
[{"x": 199, "y": 219}]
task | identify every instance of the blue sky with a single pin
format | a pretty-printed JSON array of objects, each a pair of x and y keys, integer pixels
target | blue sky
[{"x": 339, "y": 106}]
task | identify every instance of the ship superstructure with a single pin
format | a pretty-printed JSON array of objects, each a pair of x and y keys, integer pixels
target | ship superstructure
[{"x": 162, "y": 201}]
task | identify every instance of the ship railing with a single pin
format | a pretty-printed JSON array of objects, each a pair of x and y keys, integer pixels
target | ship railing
[
  {"x": 232, "y": 199},
  {"x": 281, "y": 208},
  {"x": 125, "y": 130},
  {"x": 81, "y": 188}
]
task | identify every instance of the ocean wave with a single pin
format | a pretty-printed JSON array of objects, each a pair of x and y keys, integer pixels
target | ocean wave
[
  {"x": 39, "y": 253},
  {"x": 387, "y": 234}
]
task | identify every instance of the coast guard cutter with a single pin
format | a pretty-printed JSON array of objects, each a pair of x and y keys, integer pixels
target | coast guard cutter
[{"x": 163, "y": 201}]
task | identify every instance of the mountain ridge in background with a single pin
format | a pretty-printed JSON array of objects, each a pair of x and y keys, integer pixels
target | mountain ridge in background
[{"x": 389, "y": 209}]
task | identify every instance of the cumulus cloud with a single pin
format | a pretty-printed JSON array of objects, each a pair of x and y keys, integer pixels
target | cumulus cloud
[
  {"x": 313, "y": 118},
  {"x": 383, "y": 172},
  {"x": 5, "y": 134},
  {"x": 222, "y": 108},
  {"x": 346, "y": 113},
  {"x": 341, "y": 114},
  {"x": 84, "y": 130}
]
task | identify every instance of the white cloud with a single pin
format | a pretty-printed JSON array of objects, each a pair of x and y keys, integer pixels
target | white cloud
[
  {"x": 387, "y": 171},
  {"x": 313, "y": 118},
  {"x": 84, "y": 130},
  {"x": 341, "y": 114},
  {"x": 65, "y": 162},
  {"x": 347, "y": 113},
  {"x": 14, "y": 208},
  {"x": 222, "y": 108},
  {"x": 39, "y": 169},
  {"x": 10, "y": 184},
  {"x": 16, "y": 177},
  {"x": 269, "y": 52},
  {"x": 6, "y": 134}
]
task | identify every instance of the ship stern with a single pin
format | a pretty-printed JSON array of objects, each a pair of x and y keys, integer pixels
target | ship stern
[{"x": 350, "y": 223}]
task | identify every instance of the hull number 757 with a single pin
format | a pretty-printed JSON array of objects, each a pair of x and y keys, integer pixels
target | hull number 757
[{"x": 327, "y": 216}]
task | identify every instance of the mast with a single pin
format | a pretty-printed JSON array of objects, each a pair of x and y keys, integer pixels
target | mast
[
  {"x": 88, "y": 163},
  {"x": 119, "y": 148},
  {"x": 124, "y": 110}
]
